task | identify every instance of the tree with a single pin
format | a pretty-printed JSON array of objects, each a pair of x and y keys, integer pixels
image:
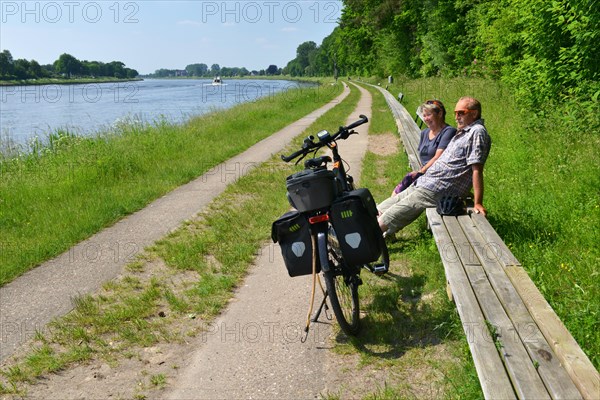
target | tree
[
  {"x": 94, "y": 68},
  {"x": 6, "y": 63},
  {"x": 67, "y": 65},
  {"x": 304, "y": 53},
  {"x": 197, "y": 69},
  {"x": 215, "y": 69},
  {"x": 118, "y": 69},
  {"x": 272, "y": 70},
  {"x": 21, "y": 68},
  {"x": 131, "y": 73},
  {"x": 35, "y": 70}
]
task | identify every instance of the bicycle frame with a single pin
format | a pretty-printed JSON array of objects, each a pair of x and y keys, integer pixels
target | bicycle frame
[{"x": 340, "y": 170}]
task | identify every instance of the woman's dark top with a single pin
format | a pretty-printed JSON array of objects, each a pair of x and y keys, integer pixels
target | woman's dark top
[{"x": 427, "y": 148}]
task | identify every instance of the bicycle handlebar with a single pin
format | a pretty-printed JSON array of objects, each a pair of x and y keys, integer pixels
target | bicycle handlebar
[
  {"x": 343, "y": 132},
  {"x": 363, "y": 119}
]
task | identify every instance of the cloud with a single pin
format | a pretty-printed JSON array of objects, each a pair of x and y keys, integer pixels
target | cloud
[{"x": 289, "y": 29}]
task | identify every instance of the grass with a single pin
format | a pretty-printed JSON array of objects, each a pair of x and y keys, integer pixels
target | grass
[
  {"x": 412, "y": 336},
  {"x": 57, "y": 195},
  {"x": 179, "y": 284}
]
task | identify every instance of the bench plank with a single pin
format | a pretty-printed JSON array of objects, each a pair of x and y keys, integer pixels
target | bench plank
[
  {"x": 524, "y": 329},
  {"x": 494, "y": 380},
  {"x": 525, "y": 379},
  {"x": 494, "y": 241},
  {"x": 577, "y": 364},
  {"x": 460, "y": 242},
  {"x": 413, "y": 133}
]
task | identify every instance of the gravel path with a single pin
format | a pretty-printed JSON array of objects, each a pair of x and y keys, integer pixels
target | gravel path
[
  {"x": 253, "y": 350},
  {"x": 31, "y": 301}
]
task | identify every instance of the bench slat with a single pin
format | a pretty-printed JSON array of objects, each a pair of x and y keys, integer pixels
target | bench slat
[
  {"x": 521, "y": 370},
  {"x": 577, "y": 364},
  {"x": 460, "y": 242},
  {"x": 494, "y": 380},
  {"x": 412, "y": 132},
  {"x": 494, "y": 241},
  {"x": 554, "y": 376}
]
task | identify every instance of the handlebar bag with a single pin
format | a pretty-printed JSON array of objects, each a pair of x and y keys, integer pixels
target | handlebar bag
[
  {"x": 311, "y": 189},
  {"x": 292, "y": 231},
  {"x": 354, "y": 219}
]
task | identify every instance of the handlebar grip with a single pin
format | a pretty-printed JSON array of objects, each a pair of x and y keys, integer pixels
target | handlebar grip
[
  {"x": 363, "y": 119},
  {"x": 292, "y": 156}
]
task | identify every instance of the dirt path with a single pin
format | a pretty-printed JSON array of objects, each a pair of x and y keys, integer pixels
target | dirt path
[
  {"x": 253, "y": 350},
  {"x": 31, "y": 301}
]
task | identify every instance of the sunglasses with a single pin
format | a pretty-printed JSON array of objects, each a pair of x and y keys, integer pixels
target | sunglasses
[
  {"x": 460, "y": 113},
  {"x": 435, "y": 103}
]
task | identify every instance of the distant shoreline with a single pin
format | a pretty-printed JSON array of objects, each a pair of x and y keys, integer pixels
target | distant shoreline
[
  {"x": 76, "y": 81},
  {"x": 247, "y": 77}
]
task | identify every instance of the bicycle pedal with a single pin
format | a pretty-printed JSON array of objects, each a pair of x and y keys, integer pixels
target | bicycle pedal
[{"x": 379, "y": 269}]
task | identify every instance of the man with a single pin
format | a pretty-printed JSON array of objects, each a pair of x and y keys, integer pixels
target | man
[{"x": 459, "y": 168}]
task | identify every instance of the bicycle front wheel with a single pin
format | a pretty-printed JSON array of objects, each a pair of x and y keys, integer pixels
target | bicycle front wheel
[{"x": 343, "y": 295}]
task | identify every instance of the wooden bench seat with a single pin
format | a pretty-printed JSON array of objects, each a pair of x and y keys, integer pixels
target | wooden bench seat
[{"x": 519, "y": 346}]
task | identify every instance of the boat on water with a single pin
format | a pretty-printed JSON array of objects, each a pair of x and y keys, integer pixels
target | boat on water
[{"x": 217, "y": 81}]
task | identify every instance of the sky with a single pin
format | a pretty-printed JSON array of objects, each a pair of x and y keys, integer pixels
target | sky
[{"x": 151, "y": 34}]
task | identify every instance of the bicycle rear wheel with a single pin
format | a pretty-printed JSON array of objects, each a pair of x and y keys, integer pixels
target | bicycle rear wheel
[{"x": 342, "y": 290}]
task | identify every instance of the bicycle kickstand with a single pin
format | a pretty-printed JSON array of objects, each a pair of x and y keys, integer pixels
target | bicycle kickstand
[{"x": 323, "y": 304}]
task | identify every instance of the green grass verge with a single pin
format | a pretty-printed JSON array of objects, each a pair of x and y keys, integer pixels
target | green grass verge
[{"x": 62, "y": 193}]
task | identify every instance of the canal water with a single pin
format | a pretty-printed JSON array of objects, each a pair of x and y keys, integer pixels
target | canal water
[{"x": 27, "y": 112}]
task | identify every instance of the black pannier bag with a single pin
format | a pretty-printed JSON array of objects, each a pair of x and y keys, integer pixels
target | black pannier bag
[
  {"x": 354, "y": 219},
  {"x": 292, "y": 231},
  {"x": 310, "y": 189}
]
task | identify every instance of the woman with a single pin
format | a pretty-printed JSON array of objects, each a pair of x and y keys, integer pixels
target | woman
[{"x": 434, "y": 140}]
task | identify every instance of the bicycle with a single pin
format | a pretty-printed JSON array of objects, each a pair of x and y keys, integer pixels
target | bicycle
[{"x": 332, "y": 228}]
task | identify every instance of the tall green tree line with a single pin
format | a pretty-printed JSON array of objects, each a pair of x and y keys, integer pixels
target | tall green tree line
[
  {"x": 550, "y": 45},
  {"x": 66, "y": 66}
]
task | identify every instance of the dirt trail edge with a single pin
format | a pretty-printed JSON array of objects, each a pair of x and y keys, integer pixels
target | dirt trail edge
[
  {"x": 31, "y": 301},
  {"x": 253, "y": 350}
]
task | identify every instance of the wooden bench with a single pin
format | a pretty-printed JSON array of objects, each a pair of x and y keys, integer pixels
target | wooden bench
[{"x": 519, "y": 346}]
